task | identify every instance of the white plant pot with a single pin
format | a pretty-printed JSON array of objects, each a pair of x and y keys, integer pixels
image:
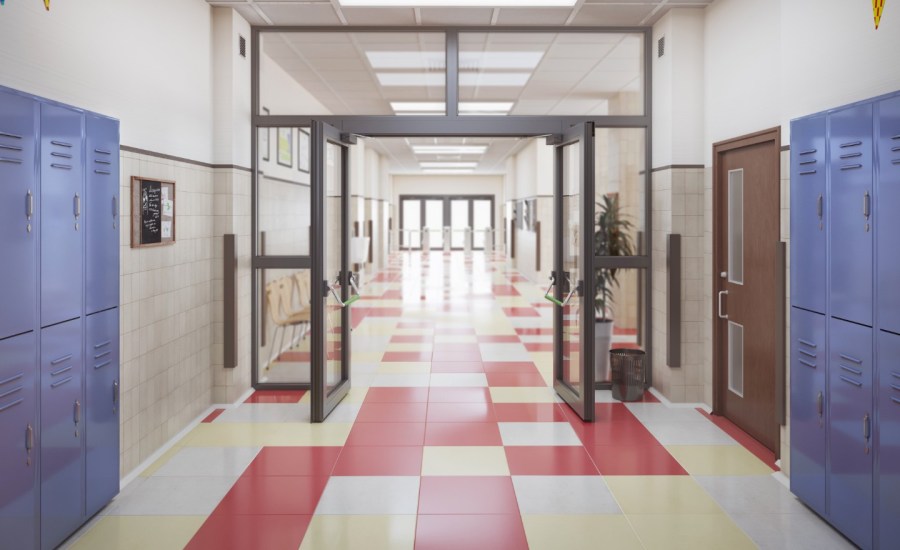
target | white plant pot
[{"x": 603, "y": 331}]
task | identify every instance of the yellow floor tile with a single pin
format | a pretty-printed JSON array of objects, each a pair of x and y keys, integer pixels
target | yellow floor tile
[
  {"x": 360, "y": 532},
  {"x": 140, "y": 532},
  {"x": 464, "y": 461},
  {"x": 404, "y": 368},
  {"x": 410, "y": 331},
  {"x": 355, "y": 395},
  {"x": 523, "y": 395},
  {"x": 718, "y": 460},
  {"x": 367, "y": 356},
  {"x": 161, "y": 461},
  {"x": 689, "y": 532},
  {"x": 580, "y": 532},
  {"x": 275, "y": 435},
  {"x": 661, "y": 495}
]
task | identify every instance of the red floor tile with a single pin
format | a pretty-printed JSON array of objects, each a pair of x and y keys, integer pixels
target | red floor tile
[
  {"x": 379, "y": 461},
  {"x": 499, "y": 339},
  {"x": 392, "y": 295},
  {"x": 515, "y": 379},
  {"x": 450, "y": 346},
  {"x": 539, "y": 346},
  {"x": 229, "y": 532},
  {"x": 467, "y": 495},
  {"x": 459, "y": 395},
  {"x": 494, "y": 532},
  {"x": 295, "y": 357},
  {"x": 510, "y": 366},
  {"x": 454, "y": 331},
  {"x": 520, "y": 312},
  {"x": 392, "y": 412},
  {"x": 396, "y": 395},
  {"x": 616, "y": 433},
  {"x": 625, "y": 460},
  {"x": 450, "y": 355},
  {"x": 529, "y": 412},
  {"x": 383, "y": 311},
  {"x": 411, "y": 339},
  {"x": 612, "y": 412},
  {"x": 391, "y": 434},
  {"x": 461, "y": 412},
  {"x": 213, "y": 415},
  {"x": 266, "y": 495},
  {"x": 550, "y": 461},
  {"x": 529, "y": 331},
  {"x": 416, "y": 324},
  {"x": 276, "y": 396},
  {"x": 456, "y": 367},
  {"x": 504, "y": 290},
  {"x": 406, "y": 356},
  {"x": 463, "y": 433},
  {"x": 742, "y": 437},
  {"x": 294, "y": 461}
]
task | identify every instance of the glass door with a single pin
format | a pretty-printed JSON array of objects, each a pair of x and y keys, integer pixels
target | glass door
[
  {"x": 572, "y": 286},
  {"x": 434, "y": 223},
  {"x": 459, "y": 222},
  {"x": 334, "y": 285}
]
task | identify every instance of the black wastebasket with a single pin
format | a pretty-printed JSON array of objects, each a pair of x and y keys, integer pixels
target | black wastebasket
[{"x": 627, "y": 372}]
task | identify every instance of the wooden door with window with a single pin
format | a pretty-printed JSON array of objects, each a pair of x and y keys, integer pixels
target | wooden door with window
[{"x": 747, "y": 301}]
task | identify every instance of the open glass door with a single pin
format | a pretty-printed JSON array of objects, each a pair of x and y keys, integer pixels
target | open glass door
[
  {"x": 332, "y": 281},
  {"x": 573, "y": 288}
]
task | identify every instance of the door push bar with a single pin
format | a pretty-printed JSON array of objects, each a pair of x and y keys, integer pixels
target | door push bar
[
  {"x": 553, "y": 299},
  {"x": 334, "y": 293}
]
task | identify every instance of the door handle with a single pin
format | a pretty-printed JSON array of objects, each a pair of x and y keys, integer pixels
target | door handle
[
  {"x": 115, "y": 209},
  {"x": 867, "y": 205},
  {"x": 77, "y": 206},
  {"x": 77, "y": 416},
  {"x": 115, "y": 395},
  {"x": 337, "y": 296},
  {"x": 820, "y": 407},
  {"x": 867, "y": 428},
  {"x": 722, "y": 314},
  {"x": 547, "y": 295},
  {"x": 29, "y": 205},
  {"x": 820, "y": 204},
  {"x": 29, "y": 443}
]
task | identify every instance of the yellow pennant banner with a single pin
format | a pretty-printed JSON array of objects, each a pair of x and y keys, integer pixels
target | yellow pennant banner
[
  {"x": 47, "y": 5},
  {"x": 877, "y": 9}
]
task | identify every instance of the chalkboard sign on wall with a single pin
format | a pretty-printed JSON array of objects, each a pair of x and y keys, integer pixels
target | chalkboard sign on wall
[{"x": 152, "y": 212}]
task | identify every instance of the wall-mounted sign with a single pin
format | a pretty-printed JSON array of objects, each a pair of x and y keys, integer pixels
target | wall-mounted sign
[
  {"x": 877, "y": 10},
  {"x": 152, "y": 212}
]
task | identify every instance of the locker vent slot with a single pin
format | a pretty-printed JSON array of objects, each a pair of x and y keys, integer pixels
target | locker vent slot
[
  {"x": 11, "y": 405},
  {"x": 61, "y": 382},
  {"x": 851, "y": 144},
  {"x": 14, "y": 148},
  {"x": 895, "y": 400},
  {"x": 61, "y": 144},
  {"x": 851, "y": 370},
  {"x": 893, "y": 149},
  {"x": 102, "y": 344},
  {"x": 16, "y": 136},
  {"x": 807, "y": 363},
  {"x": 806, "y": 343},
  {"x": 892, "y": 137},
  {"x": 851, "y": 155},
  {"x": 19, "y": 388},
  {"x": 851, "y": 382},
  {"x": 806, "y": 162},
  {"x": 61, "y": 166},
  {"x": 895, "y": 161},
  {"x": 894, "y": 387},
  {"x": 851, "y": 359},
  {"x": 61, "y": 371},
  {"x": 11, "y": 161},
  {"x": 61, "y": 359},
  {"x": 894, "y": 374},
  {"x": 850, "y": 166},
  {"x": 807, "y": 172},
  {"x": 102, "y": 355},
  {"x": 101, "y": 365},
  {"x": 807, "y": 353},
  {"x": 103, "y": 172},
  {"x": 106, "y": 162},
  {"x": 18, "y": 376},
  {"x": 102, "y": 151},
  {"x": 808, "y": 152}
]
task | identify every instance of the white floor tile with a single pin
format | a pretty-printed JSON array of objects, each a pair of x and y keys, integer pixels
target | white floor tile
[
  {"x": 365, "y": 495},
  {"x": 504, "y": 352},
  {"x": 564, "y": 495},
  {"x": 659, "y": 412},
  {"x": 791, "y": 531},
  {"x": 538, "y": 433},
  {"x": 689, "y": 433},
  {"x": 172, "y": 496},
  {"x": 470, "y": 380},
  {"x": 751, "y": 495}
]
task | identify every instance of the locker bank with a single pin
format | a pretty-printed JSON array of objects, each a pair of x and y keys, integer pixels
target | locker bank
[{"x": 449, "y": 274}]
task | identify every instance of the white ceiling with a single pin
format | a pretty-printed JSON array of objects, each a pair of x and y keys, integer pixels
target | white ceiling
[
  {"x": 399, "y": 152},
  {"x": 330, "y": 12}
]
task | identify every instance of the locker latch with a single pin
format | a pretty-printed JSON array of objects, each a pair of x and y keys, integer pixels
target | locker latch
[
  {"x": 867, "y": 208},
  {"x": 866, "y": 431},
  {"x": 29, "y": 444},
  {"x": 77, "y": 416},
  {"x": 77, "y": 209},
  {"x": 115, "y": 395},
  {"x": 820, "y": 409},
  {"x": 29, "y": 209}
]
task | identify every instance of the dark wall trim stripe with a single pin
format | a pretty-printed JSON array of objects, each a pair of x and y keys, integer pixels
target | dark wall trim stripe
[
  {"x": 165, "y": 156},
  {"x": 282, "y": 180},
  {"x": 678, "y": 167}
]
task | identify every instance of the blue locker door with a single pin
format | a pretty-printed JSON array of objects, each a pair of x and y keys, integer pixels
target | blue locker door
[
  {"x": 852, "y": 214},
  {"x": 102, "y": 409},
  {"x": 888, "y": 195},
  {"x": 18, "y": 208},
  {"x": 18, "y": 432},
  {"x": 808, "y": 198},
  {"x": 808, "y": 409},
  {"x": 62, "y": 432},
  {"x": 850, "y": 422},
  {"x": 888, "y": 440},
  {"x": 62, "y": 214},
  {"x": 102, "y": 214}
]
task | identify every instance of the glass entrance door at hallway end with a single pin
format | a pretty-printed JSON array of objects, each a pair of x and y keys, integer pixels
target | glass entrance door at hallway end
[
  {"x": 573, "y": 319},
  {"x": 334, "y": 285}
]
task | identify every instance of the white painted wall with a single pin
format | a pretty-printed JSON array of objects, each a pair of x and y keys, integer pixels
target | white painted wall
[
  {"x": 231, "y": 81},
  {"x": 148, "y": 64},
  {"x": 282, "y": 95}
]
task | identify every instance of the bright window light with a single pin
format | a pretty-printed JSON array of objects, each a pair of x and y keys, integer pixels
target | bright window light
[
  {"x": 465, "y": 79},
  {"x": 447, "y": 172},
  {"x": 448, "y": 164},
  {"x": 449, "y": 149},
  {"x": 458, "y": 3}
]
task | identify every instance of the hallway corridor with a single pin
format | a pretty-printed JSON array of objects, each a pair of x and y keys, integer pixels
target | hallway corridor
[{"x": 452, "y": 437}]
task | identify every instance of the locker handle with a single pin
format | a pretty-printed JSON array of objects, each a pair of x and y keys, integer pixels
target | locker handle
[
  {"x": 29, "y": 443},
  {"x": 820, "y": 406},
  {"x": 29, "y": 205},
  {"x": 77, "y": 206},
  {"x": 851, "y": 359},
  {"x": 722, "y": 314},
  {"x": 115, "y": 207},
  {"x": 867, "y": 205},
  {"x": 77, "y": 416},
  {"x": 867, "y": 429},
  {"x": 115, "y": 395},
  {"x": 820, "y": 206},
  {"x": 61, "y": 359}
]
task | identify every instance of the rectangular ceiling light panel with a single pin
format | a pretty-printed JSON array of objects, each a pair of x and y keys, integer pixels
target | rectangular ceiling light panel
[
  {"x": 447, "y": 172},
  {"x": 449, "y": 149},
  {"x": 457, "y": 3},
  {"x": 467, "y": 79},
  {"x": 448, "y": 164}
]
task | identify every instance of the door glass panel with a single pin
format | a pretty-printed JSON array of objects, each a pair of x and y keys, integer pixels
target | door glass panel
[
  {"x": 736, "y": 358},
  {"x": 572, "y": 266},
  {"x": 411, "y": 218},
  {"x": 434, "y": 222},
  {"x": 334, "y": 312},
  {"x": 459, "y": 221},
  {"x": 283, "y": 356},
  {"x": 621, "y": 294},
  {"x": 283, "y": 200},
  {"x": 620, "y": 190},
  {"x": 481, "y": 212},
  {"x": 736, "y": 226}
]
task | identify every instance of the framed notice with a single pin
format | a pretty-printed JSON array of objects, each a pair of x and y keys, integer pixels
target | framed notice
[
  {"x": 303, "y": 150},
  {"x": 152, "y": 212},
  {"x": 286, "y": 147}
]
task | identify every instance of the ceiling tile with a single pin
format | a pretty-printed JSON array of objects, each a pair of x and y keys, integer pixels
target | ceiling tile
[
  {"x": 533, "y": 16},
  {"x": 301, "y": 14},
  {"x": 456, "y": 16},
  {"x": 380, "y": 16},
  {"x": 249, "y": 14},
  {"x": 598, "y": 14}
]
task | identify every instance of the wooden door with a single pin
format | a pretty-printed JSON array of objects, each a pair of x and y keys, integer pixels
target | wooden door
[{"x": 747, "y": 303}]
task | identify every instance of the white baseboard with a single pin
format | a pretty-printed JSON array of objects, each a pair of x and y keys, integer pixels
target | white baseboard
[
  {"x": 665, "y": 401},
  {"x": 781, "y": 478}
]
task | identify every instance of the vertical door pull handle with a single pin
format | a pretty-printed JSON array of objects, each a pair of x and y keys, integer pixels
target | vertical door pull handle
[
  {"x": 820, "y": 407},
  {"x": 115, "y": 395},
  {"x": 77, "y": 416},
  {"x": 29, "y": 443},
  {"x": 722, "y": 314},
  {"x": 29, "y": 205},
  {"x": 867, "y": 205},
  {"x": 115, "y": 206},
  {"x": 866, "y": 431},
  {"x": 77, "y": 206},
  {"x": 820, "y": 206}
]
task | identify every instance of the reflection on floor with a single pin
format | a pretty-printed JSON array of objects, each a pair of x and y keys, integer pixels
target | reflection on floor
[{"x": 452, "y": 438}]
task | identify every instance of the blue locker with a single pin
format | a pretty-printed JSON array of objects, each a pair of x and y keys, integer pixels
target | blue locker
[
  {"x": 852, "y": 214},
  {"x": 102, "y": 409},
  {"x": 18, "y": 211},
  {"x": 850, "y": 423},
  {"x": 808, "y": 223},
  {"x": 888, "y": 203},
  {"x": 888, "y": 438},
  {"x": 62, "y": 432},
  {"x": 808, "y": 407},
  {"x": 62, "y": 214},
  {"x": 101, "y": 213},
  {"x": 18, "y": 455}
]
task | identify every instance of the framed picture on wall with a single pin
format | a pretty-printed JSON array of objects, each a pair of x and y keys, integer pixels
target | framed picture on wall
[
  {"x": 285, "y": 147},
  {"x": 264, "y": 139},
  {"x": 303, "y": 150}
]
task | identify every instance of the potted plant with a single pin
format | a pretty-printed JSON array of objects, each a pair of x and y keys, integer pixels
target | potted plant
[{"x": 612, "y": 237}]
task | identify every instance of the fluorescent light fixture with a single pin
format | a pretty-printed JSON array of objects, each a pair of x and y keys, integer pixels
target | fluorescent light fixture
[
  {"x": 447, "y": 172},
  {"x": 449, "y": 149},
  {"x": 499, "y": 60},
  {"x": 418, "y": 107},
  {"x": 410, "y": 79},
  {"x": 457, "y": 3},
  {"x": 485, "y": 107},
  {"x": 407, "y": 60},
  {"x": 470, "y": 79},
  {"x": 437, "y": 60},
  {"x": 448, "y": 164},
  {"x": 465, "y": 107}
]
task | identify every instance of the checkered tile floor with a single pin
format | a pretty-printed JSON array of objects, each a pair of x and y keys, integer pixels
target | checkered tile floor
[{"x": 452, "y": 437}]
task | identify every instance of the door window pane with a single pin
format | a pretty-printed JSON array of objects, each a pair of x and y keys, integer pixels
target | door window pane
[
  {"x": 411, "y": 218},
  {"x": 334, "y": 312},
  {"x": 736, "y": 226},
  {"x": 621, "y": 299},
  {"x": 620, "y": 191},
  {"x": 572, "y": 265},
  {"x": 459, "y": 221},
  {"x": 434, "y": 221},
  {"x": 736, "y": 358},
  {"x": 283, "y": 199},
  {"x": 283, "y": 315},
  {"x": 481, "y": 212}
]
